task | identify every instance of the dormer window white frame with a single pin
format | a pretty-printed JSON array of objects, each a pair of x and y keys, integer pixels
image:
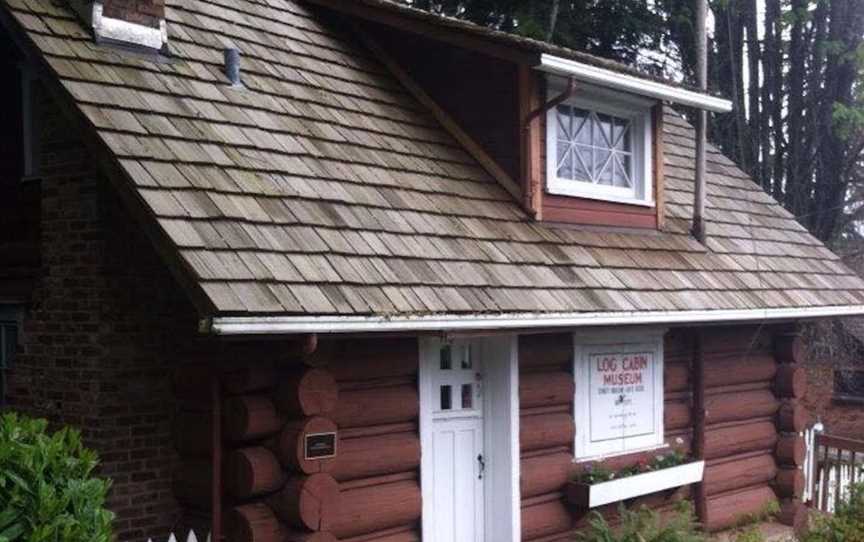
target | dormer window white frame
[{"x": 599, "y": 146}]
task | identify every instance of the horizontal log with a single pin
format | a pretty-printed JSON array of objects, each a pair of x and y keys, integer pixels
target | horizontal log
[
  {"x": 290, "y": 446},
  {"x": 677, "y": 415},
  {"x": 719, "y": 341},
  {"x": 404, "y": 533},
  {"x": 378, "y": 480},
  {"x": 307, "y": 392},
  {"x": 193, "y": 433},
  {"x": 359, "y": 408},
  {"x": 254, "y": 523},
  {"x": 546, "y": 350},
  {"x": 250, "y": 417},
  {"x": 554, "y": 409},
  {"x": 728, "y": 510},
  {"x": 389, "y": 382},
  {"x": 739, "y": 369},
  {"x": 740, "y": 473},
  {"x": 545, "y": 519},
  {"x": 383, "y": 429},
  {"x": 546, "y": 431},
  {"x": 791, "y": 382},
  {"x": 739, "y": 439},
  {"x": 545, "y": 389},
  {"x": 308, "y": 502},
  {"x": 789, "y": 348},
  {"x": 375, "y": 508},
  {"x": 257, "y": 377},
  {"x": 373, "y": 358},
  {"x": 250, "y": 472},
  {"x": 790, "y": 483},
  {"x": 793, "y": 417},
  {"x": 372, "y": 456},
  {"x": 544, "y": 474},
  {"x": 741, "y": 406},
  {"x": 676, "y": 377},
  {"x": 791, "y": 450}
]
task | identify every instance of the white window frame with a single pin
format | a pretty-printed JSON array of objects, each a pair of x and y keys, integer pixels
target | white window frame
[
  {"x": 639, "y": 112},
  {"x": 601, "y": 341}
]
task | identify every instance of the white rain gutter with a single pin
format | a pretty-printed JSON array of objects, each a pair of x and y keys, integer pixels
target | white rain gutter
[
  {"x": 635, "y": 85},
  {"x": 278, "y": 325}
]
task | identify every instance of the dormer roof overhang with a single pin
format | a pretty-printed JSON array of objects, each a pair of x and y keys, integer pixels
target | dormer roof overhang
[{"x": 616, "y": 80}]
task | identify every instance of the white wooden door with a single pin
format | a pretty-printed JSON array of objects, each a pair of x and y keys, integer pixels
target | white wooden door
[{"x": 457, "y": 444}]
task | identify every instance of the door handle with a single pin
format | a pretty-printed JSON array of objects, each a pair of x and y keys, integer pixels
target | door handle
[{"x": 482, "y": 461}]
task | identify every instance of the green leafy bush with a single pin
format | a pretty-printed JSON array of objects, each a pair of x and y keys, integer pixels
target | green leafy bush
[
  {"x": 644, "y": 525},
  {"x": 846, "y": 525},
  {"x": 47, "y": 489}
]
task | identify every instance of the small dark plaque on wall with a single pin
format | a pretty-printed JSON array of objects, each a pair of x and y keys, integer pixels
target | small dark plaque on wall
[{"x": 320, "y": 445}]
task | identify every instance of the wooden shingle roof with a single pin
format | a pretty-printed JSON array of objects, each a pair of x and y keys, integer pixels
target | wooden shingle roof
[{"x": 324, "y": 188}]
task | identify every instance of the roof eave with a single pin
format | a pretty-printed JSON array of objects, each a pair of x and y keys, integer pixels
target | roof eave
[
  {"x": 287, "y": 325},
  {"x": 635, "y": 85}
]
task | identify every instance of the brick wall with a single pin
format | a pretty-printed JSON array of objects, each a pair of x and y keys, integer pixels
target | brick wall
[{"x": 144, "y": 12}]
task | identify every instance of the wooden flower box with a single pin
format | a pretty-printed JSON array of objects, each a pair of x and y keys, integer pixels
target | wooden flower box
[{"x": 593, "y": 495}]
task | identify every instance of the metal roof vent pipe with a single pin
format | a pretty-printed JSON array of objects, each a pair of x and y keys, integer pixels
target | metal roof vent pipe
[
  {"x": 698, "y": 229},
  {"x": 232, "y": 66}
]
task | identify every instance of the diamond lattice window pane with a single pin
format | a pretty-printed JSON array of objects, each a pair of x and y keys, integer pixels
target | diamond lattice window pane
[{"x": 565, "y": 161}]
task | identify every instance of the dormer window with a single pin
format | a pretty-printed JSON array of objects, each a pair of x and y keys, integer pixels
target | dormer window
[{"x": 599, "y": 147}]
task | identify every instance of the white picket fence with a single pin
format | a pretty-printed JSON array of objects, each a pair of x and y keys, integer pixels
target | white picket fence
[
  {"x": 190, "y": 538},
  {"x": 810, "y": 466},
  {"x": 832, "y": 466}
]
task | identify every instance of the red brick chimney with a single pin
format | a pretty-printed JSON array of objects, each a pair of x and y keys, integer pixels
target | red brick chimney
[{"x": 138, "y": 23}]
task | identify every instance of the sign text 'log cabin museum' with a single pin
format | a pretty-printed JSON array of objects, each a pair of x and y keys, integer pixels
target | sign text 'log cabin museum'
[{"x": 320, "y": 270}]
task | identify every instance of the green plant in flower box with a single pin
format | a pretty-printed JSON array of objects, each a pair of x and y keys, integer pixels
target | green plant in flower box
[{"x": 596, "y": 473}]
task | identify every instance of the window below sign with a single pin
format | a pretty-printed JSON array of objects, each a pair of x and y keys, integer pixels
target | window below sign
[
  {"x": 619, "y": 394},
  {"x": 849, "y": 386},
  {"x": 599, "y": 147}
]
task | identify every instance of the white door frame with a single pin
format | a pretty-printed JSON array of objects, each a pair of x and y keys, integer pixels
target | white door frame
[{"x": 500, "y": 357}]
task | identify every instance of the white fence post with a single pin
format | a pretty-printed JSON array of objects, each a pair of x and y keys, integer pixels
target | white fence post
[
  {"x": 811, "y": 461},
  {"x": 191, "y": 537}
]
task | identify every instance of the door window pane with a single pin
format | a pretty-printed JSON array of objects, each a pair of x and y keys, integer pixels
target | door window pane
[
  {"x": 467, "y": 396},
  {"x": 446, "y": 398}
]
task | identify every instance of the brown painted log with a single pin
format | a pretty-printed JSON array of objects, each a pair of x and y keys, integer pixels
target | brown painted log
[
  {"x": 791, "y": 382},
  {"x": 728, "y": 510},
  {"x": 741, "y": 406},
  {"x": 307, "y": 392},
  {"x": 720, "y": 341},
  {"x": 254, "y": 523},
  {"x": 794, "y": 513},
  {"x": 545, "y": 389},
  {"x": 791, "y": 450},
  {"x": 546, "y": 431},
  {"x": 739, "y": 439},
  {"x": 373, "y": 358},
  {"x": 545, "y": 519},
  {"x": 192, "y": 433},
  {"x": 373, "y": 430},
  {"x": 740, "y": 473},
  {"x": 404, "y": 533},
  {"x": 792, "y": 417},
  {"x": 789, "y": 348},
  {"x": 676, "y": 415},
  {"x": 544, "y": 474},
  {"x": 738, "y": 369},
  {"x": 373, "y": 456},
  {"x": 249, "y": 417},
  {"x": 374, "y": 508},
  {"x": 790, "y": 482},
  {"x": 290, "y": 446},
  {"x": 546, "y": 350},
  {"x": 358, "y": 408},
  {"x": 250, "y": 472},
  {"x": 676, "y": 377},
  {"x": 378, "y": 480},
  {"x": 248, "y": 379},
  {"x": 308, "y": 502}
]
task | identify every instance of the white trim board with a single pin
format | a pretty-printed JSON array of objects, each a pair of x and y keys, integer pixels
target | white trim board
[
  {"x": 630, "y": 83},
  {"x": 270, "y": 325}
]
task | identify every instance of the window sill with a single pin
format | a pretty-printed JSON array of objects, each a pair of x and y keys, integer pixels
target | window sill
[
  {"x": 847, "y": 400},
  {"x": 599, "y": 197}
]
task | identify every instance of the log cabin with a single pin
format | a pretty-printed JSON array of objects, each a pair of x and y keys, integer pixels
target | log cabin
[{"x": 327, "y": 270}]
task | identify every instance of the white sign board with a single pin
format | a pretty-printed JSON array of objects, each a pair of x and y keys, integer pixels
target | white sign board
[{"x": 621, "y": 395}]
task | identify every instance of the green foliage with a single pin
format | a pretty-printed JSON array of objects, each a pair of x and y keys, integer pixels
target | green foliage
[
  {"x": 47, "y": 489},
  {"x": 846, "y": 525},
  {"x": 596, "y": 473},
  {"x": 644, "y": 525}
]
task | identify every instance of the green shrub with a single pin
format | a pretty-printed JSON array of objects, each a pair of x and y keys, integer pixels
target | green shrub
[
  {"x": 644, "y": 525},
  {"x": 846, "y": 525},
  {"x": 47, "y": 489}
]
